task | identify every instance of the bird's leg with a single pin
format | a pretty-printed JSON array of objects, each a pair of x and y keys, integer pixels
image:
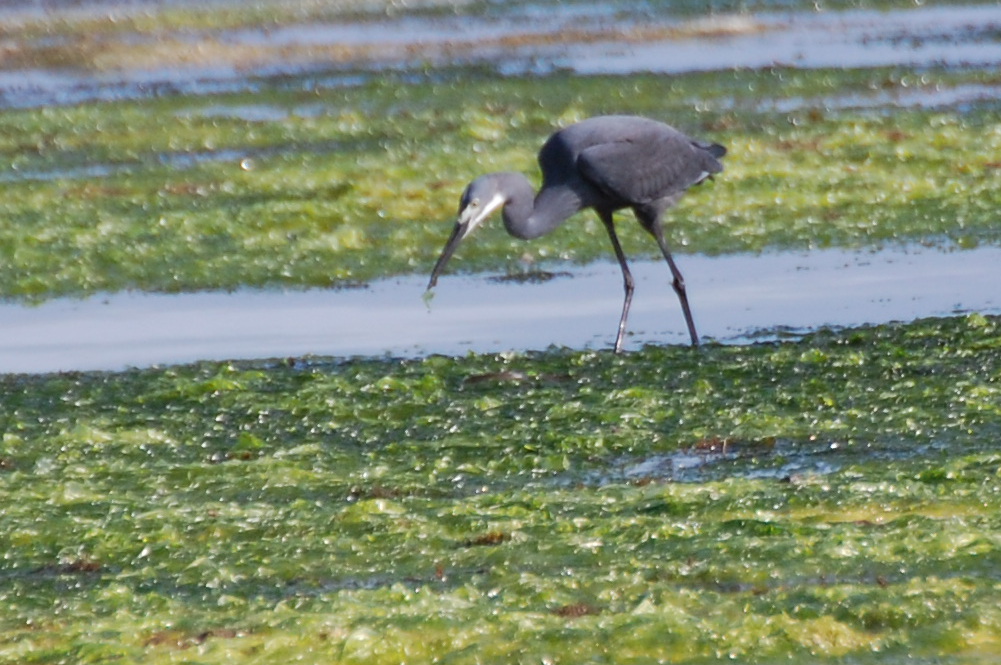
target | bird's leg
[
  {"x": 679, "y": 281},
  {"x": 627, "y": 277}
]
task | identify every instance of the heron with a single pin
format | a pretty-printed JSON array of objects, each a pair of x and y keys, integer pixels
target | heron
[{"x": 606, "y": 163}]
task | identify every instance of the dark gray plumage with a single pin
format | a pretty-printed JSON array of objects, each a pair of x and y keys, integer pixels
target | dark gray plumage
[{"x": 606, "y": 163}]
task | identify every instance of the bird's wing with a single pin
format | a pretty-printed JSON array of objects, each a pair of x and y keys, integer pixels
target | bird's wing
[{"x": 647, "y": 167}]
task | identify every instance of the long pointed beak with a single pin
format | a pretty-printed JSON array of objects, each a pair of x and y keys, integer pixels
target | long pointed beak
[
  {"x": 458, "y": 233},
  {"x": 470, "y": 216}
]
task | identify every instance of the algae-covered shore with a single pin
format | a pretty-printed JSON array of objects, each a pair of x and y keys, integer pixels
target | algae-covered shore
[
  {"x": 833, "y": 498},
  {"x": 327, "y": 175}
]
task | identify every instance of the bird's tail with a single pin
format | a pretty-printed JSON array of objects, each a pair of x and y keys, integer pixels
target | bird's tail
[{"x": 716, "y": 150}]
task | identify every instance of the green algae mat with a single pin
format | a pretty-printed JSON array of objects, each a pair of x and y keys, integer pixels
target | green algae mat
[
  {"x": 833, "y": 499},
  {"x": 332, "y": 187}
]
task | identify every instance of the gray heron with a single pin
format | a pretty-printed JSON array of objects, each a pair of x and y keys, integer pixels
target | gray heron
[{"x": 606, "y": 163}]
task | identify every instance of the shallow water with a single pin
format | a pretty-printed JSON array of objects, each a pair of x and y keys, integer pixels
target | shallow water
[
  {"x": 959, "y": 97},
  {"x": 931, "y": 36},
  {"x": 735, "y": 298},
  {"x": 584, "y": 38}
]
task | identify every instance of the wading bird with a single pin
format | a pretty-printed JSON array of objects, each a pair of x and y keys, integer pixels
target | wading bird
[{"x": 606, "y": 163}]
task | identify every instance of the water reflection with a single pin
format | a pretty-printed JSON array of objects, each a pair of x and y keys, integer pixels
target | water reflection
[{"x": 735, "y": 298}]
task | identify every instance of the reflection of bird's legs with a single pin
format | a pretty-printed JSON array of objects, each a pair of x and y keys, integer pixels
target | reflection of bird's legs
[
  {"x": 627, "y": 277},
  {"x": 679, "y": 281}
]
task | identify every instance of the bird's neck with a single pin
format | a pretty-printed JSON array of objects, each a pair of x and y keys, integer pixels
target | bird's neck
[{"x": 527, "y": 215}]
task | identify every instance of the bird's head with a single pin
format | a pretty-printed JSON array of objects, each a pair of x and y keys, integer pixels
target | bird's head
[{"x": 481, "y": 199}]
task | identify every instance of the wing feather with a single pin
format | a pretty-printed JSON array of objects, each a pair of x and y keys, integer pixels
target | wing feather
[{"x": 653, "y": 163}]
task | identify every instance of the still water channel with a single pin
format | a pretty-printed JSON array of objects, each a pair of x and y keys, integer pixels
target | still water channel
[{"x": 735, "y": 298}]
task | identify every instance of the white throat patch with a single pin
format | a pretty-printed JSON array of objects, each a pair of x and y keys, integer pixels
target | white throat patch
[{"x": 484, "y": 211}]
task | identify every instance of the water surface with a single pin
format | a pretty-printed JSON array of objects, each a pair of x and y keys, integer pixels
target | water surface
[
  {"x": 584, "y": 38},
  {"x": 954, "y": 36},
  {"x": 735, "y": 298}
]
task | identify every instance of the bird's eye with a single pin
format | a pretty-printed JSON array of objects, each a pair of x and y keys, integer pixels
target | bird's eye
[{"x": 475, "y": 203}]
